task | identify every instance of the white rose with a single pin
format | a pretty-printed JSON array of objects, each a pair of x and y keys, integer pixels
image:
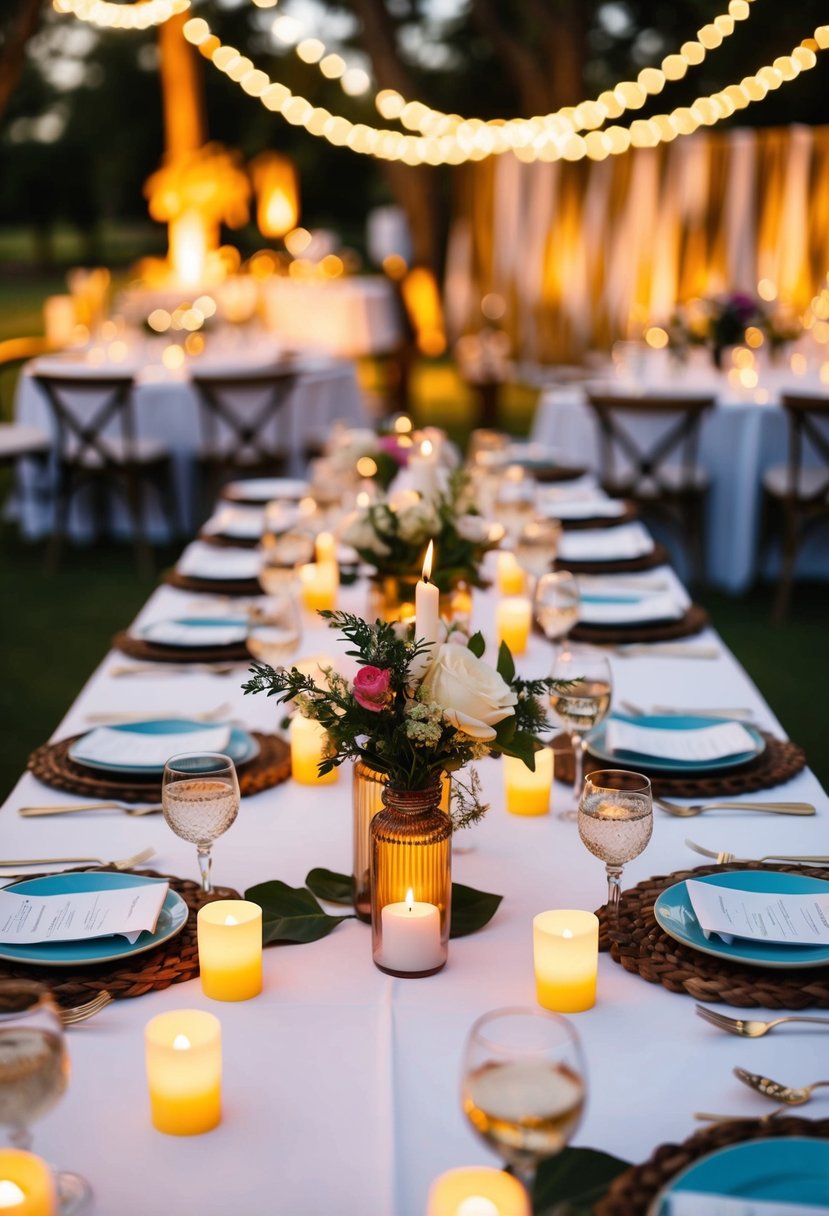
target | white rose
[
  {"x": 418, "y": 523},
  {"x": 359, "y": 532},
  {"x": 472, "y": 695},
  {"x": 473, "y": 528}
]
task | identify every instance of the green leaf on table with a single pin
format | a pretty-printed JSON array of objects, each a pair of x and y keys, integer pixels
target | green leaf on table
[
  {"x": 521, "y": 745},
  {"x": 506, "y": 664},
  {"x": 476, "y": 644},
  {"x": 291, "y": 914},
  {"x": 471, "y": 909},
  {"x": 328, "y": 885},
  {"x": 571, "y": 1183}
]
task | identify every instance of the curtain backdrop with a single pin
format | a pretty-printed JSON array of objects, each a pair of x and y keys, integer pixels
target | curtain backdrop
[{"x": 585, "y": 253}]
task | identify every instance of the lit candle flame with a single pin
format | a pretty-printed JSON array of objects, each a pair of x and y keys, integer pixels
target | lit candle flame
[
  {"x": 426, "y": 447},
  {"x": 11, "y": 1195},
  {"x": 363, "y": 499},
  {"x": 231, "y": 920},
  {"x": 181, "y": 1043},
  {"x": 410, "y": 900},
  {"x": 567, "y": 933},
  {"x": 427, "y": 561}
]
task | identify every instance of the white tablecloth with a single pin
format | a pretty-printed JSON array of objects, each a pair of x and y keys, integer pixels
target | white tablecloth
[
  {"x": 740, "y": 439},
  {"x": 341, "y": 1083}
]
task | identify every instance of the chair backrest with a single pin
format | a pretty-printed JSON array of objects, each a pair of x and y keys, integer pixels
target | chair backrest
[
  {"x": 808, "y": 443},
  {"x": 243, "y": 418},
  {"x": 673, "y": 425},
  {"x": 86, "y": 412}
]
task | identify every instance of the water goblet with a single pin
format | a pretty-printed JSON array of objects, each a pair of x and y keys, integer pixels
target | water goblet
[
  {"x": 200, "y": 800},
  {"x": 34, "y": 1071},
  {"x": 274, "y": 630},
  {"x": 514, "y": 500},
  {"x": 280, "y": 554},
  {"x": 556, "y": 604},
  {"x": 585, "y": 703},
  {"x": 523, "y": 1086},
  {"x": 536, "y": 546},
  {"x": 615, "y": 823}
]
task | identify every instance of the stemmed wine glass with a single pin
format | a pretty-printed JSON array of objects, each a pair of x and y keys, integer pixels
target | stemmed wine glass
[
  {"x": 585, "y": 703},
  {"x": 274, "y": 630},
  {"x": 536, "y": 546},
  {"x": 556, "y": 604},
  {"x": 34, "y": 1071},
  {"x": 200, "y": 800},
  {"x": 523, "y": 1086},
  {"x": 615, "y": 823}
]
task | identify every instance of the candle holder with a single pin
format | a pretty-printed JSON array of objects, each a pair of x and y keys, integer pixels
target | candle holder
[
  {"x": 391, "y": 597},
  {"x": 411, "y": 882}
]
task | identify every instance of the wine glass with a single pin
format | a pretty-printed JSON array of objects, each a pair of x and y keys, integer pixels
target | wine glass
[
  {"x": 279, "y": 555},
  {"x": 585, "y": 703},
  {"x": 557, "y": 602},
  {"x": 523, "y": 1086},
  {"x": 274, "y": 630},
  {"x": 34, "y": 1071},
  {"x": 514, "y": 500},
  {"x": 200, "y": 800},
  {"x": 536, "y": 546},
  {"x": 615, "y": 823}
]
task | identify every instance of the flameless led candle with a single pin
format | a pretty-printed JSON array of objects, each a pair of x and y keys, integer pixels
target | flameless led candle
[
  {"x": 184, "y": 1071},
  {"x": 59, "y": 319},
  {"x": 230, "y": 949},
  {"x": 427, "y": 614},
  {"x": 319, "y": 583},
  {"x": 566, "y": 956},
  {"x": 513, "y": 617},
  {"x": 324, "y": 548},
  {"x": 510, "y": 576},
  {"x": 411, "y": 935},
  {"x": 307, "y": 739},
  {"x": 27, "y": 1187},
  {"x": 477, "y": 1191},
  {"x": 528, "y": 792}
]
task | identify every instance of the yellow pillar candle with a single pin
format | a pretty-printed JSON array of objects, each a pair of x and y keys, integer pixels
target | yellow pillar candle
[
  {"x": 325, "y": 548},
  {"x": 230, "y": 949},
  {"x": 477, "y": 1191},
  {"x": 510, "y": 576},
  {"x": 319, "y": 583},
  {"x": 184, "y": 1071},
  {"x": 27, "y": 1187},
  {"x": 528, "y": 792},
  {"x": 566, "y": 956},
  {"x": 513, "y": 617},
  {"x": 308, "y": 739}
]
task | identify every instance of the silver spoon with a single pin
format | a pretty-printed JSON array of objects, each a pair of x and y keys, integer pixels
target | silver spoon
[{"x": 791, "y": 1095}]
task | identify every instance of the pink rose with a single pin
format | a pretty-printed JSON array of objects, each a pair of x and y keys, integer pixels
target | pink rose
[{"x": 371, "y": 688}]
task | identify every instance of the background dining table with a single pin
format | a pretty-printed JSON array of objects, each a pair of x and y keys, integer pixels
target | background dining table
[{"x": 341, "y": 1083}]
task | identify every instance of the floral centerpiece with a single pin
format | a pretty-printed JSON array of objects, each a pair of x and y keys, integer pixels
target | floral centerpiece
[{"x": 722, "y": 321}]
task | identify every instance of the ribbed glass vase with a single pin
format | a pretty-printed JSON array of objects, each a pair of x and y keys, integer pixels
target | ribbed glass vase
[
  {"x": 411, "y": 882},
  {"x": 391, "y": 597},
  {"x": 366, "y": 799}
]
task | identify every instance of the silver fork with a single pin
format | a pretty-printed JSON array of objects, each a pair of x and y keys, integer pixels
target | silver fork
[
  {"x": 82, "y": 1013},
  {"x": 724, "y": 858},
  {"x": 747, "y": 1028},
  {"x": 697, "y": 808},
  {"x": 77, "y": 808},
  {"x": 124, "y": 863}
]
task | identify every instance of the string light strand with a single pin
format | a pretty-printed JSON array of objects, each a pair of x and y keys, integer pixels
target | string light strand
[{"x": 139, "y": 16}]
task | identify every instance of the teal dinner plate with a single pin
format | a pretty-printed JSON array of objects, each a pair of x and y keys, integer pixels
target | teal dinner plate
[
  {"x": 597, "y": 747},
  {"x": 171, "y": 920},
  {"x": 786, "y": 1169},
  {"x": 241, "y": 746},
  {"x": 196, "y": 624},
  {"x": 675, "y": 915}
]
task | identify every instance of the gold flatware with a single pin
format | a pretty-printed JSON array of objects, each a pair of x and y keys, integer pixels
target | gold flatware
[
  {"x": 791, "y": 1095},
  {"x": 78, "y": 808},
  {"x": 705, "y": 1117},
  {"x": 124, "y": 863},
  {"x": 219, "y": 714},
  {"x": 178, "y": 669},
  {"x": 636, "y": 711},
  {"x": 82, "y": 1013},
  {"x": 697, "y": 808},
  {"x": 749, "y": 1029},
  {"x": 666, "y": 650},
  {"x": 723, "y": 858}
]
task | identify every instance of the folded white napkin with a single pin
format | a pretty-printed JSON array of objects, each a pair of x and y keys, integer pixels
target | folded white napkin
[
  {"x": 265, "y": 489},
  {"x": 605, "y": 544},
  {"x": 629, "y": 611},
  {"x": 244, "y": 523},
  {"x": 205, "y": 561},
  {"x": 27, "y": 919},
  {"x": 179, "y": 633},
  {"x": 761, "y": 916},
  {"x": 695, "y": 1203},
  {"x": 584, "y": 508},
  {"x": 108, "y": 746},
  {"x": 698, "y": 743}
]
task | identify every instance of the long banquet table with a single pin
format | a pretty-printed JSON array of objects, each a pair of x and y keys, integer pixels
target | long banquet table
[{"x": 341, "y": 1084}]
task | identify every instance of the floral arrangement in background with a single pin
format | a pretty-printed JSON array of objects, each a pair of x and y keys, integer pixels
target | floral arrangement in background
[
  {"x": 722, "y": 321},
  {"x": 415, "y": 709},
  {"x": 392, "y": 534},
  {"x": 354, "y": 450}
]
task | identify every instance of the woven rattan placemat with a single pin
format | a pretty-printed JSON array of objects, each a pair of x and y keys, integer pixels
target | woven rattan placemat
[
  {"x": 220, "y": 541},
  {"x": 658, "y": 556},
  {"x": 642, "y": 947},
  {"x": 692, "y": 621},
  {"x": 213, "y": 586},
  {"x": 50, "y": 763},
  {"x": 172, "y": 962},
  {"x": 139, "y": 648},
  {"x": 632, "y": 1193}
]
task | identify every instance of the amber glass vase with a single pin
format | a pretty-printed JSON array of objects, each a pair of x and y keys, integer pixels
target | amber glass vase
[
  {"x": 411, "y": 882},
  {"x": 391, "y": 597}
]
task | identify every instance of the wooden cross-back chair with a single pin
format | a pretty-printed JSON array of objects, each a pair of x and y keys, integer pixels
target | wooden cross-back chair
[
  {"x": 96, "y": 445},
  {"x": 798, "y": 491},
  {"x": 662, "y": 472},
  {"x": 244, "y": 425}
]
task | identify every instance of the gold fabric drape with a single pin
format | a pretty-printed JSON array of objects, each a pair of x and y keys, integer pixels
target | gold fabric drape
[{"x": 584, "y": 254}]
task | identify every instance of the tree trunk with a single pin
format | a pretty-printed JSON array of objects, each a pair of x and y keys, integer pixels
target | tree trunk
[{"x": 13, "y": 53}]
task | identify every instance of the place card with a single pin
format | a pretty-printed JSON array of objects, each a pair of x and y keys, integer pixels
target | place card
[
  {"x": 760, "y": 916},
  {"x": 75, "y": 916},
  {"x": 697, "y": 744},
  {"x": 605, "y": 544},
  {"x": 624, "y": 610},
  {"x": 206, "y": 561},
  {"x": 107, "y": 745},
  {"x": 696, "y": 1203}
]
